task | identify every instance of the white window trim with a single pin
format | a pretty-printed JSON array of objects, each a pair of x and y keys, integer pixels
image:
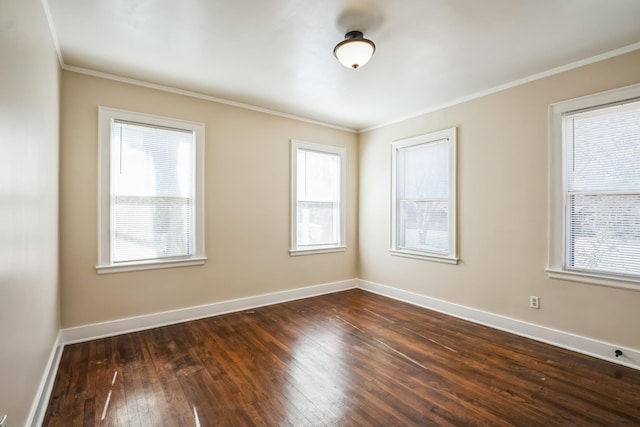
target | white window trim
[
  {"x": 452, "y": 257},
  {"x": 558, "y": 184},
  {"x": 105, "y": 265},
  {"x": 321, "y": 148}
]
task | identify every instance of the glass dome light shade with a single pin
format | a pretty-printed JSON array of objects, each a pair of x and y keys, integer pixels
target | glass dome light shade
[{"x": 354, "y": 51}]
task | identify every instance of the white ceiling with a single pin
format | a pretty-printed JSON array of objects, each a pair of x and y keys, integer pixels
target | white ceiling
[{"x": 278, "y": 54}]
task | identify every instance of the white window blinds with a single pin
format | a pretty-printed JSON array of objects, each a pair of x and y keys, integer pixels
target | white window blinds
[
  {"x": 318, "y": 198},
  {"x": 318, "y": 189},
  {"x": 152, "y": 192},
  {"x": 602, "y": 199},
  {"x": 423, "y": 197}
]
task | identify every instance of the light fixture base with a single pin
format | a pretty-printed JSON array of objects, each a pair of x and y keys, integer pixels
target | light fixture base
[{"x": 355, "y": 34}]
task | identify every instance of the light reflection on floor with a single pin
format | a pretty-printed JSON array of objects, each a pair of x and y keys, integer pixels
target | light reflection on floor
[
  {"x": 317, "y": 377},
  {"x": 108, "y": 400},
  {"x": 115, "y": 405},
  {"x": 195, "y": 416}
]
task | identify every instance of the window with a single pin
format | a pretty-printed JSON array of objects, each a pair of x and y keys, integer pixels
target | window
[
  {"x": 595, "y": 193},
  {"x": 423, "y": 193},
  {"x": 317, "y": 198},
  {"x": 151, "y": 192}
]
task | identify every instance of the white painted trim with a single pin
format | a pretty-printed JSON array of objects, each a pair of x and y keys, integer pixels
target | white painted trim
[
  {"x": 341, "y": 235},
  {"x": 557, "y": 187},
  {"x": 325, "y": 250},
  {"x": 154, "y": 265},
  {"x": 52, "y": 30},
  {"x": 594, "y": 279},
  {"x": 584, "y": 345},
  {"x": 154, "y": 320},
  {"x": 597, "y": 58},
  {"x": 197, "y": 95},
  {"x": 41, "y": 401},
  {"x": 445, "y": 136},
  {"x": 539, "y": 76},
  {"x": 106, "y": 119},
  {"x": 424, "y": 256}
]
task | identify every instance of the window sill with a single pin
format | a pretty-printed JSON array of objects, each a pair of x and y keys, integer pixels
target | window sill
[
  {"x": 424, "y": 256},
  {"x": 322, "y": 250},
  {"x": 149, "y": 265},
  {"x": 594, "y": 279}
]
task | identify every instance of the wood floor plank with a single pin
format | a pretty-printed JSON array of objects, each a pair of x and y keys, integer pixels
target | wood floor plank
[{"x": 349, "y": 359}]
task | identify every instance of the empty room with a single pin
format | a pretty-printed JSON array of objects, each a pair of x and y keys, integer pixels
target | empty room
[{"x": 338, "y": 213}]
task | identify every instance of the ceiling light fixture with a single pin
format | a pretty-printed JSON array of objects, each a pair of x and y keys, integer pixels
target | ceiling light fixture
[{"x": 354, "y": 51}]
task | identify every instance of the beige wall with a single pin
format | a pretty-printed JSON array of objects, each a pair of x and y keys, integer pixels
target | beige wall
[
  {"x": 502, "y": 196},
  {"x": 246, "y": 201},
  {"x": 502, "y": 207},
  {"x": 502, "y": 155},
  {"x": 29, "y": 106}
]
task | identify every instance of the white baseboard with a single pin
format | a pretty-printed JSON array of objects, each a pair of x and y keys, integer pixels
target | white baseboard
[
  {"x": 138, "y": 323},
  {"x": 41, "y": 401},
  {"x": 599, "y": 349},
  {"x": 591, "y": 347}
]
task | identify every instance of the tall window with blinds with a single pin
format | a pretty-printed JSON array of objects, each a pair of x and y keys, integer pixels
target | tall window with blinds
[
  {"x": 602, "y": 197},
  {"x": 317, "y": 194},
  {"x": 151, "y": 197},
  {"x": 152, "y": 192},
  {"x": 424, "y": 197}
]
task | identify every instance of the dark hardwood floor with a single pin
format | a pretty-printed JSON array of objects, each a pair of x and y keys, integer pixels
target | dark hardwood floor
[{"x": 346, "y": 359}]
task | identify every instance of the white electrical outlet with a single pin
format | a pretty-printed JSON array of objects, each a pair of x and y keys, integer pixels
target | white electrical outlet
[{"x": 534, "y": 302}]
